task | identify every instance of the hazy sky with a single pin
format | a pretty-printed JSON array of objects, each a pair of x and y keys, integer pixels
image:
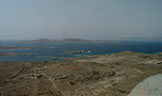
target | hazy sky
[{"x": 87, "y": 19}]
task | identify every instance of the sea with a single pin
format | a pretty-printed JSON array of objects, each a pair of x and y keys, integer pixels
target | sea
[{"x": 61, "y": 51}]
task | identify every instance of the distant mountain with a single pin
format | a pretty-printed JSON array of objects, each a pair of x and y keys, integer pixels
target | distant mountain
[{"x": 66, "y": 40}]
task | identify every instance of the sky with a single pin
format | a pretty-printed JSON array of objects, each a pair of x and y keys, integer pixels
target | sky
[{"x": 86, "y": 19}]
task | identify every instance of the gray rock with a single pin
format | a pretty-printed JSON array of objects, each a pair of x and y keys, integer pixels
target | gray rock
[{"x": 152, "y": 86}]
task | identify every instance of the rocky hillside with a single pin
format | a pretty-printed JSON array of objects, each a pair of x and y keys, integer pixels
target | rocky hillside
[{"x": 106, "y": 75}]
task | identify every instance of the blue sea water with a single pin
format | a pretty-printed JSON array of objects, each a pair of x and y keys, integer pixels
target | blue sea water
[{"x": 46, "y": 51}]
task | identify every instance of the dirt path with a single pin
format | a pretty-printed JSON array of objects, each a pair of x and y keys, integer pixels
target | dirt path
[{"x": 53, "y": 83}]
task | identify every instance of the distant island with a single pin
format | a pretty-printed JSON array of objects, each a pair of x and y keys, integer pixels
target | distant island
[
  {"x": 9, "y": 47},
  {"x": 67, "y": 40}
]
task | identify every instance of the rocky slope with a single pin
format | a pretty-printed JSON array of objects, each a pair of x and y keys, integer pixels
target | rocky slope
[
  {"x": 106, "y": 75},
  {"x": 152, "y": 86}
]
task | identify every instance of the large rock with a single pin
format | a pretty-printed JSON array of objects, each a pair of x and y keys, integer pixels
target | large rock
[{"x": 152, "y": 86}]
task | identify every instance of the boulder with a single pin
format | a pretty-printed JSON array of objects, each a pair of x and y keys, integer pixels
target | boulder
[{"x": 152, "y": 86}]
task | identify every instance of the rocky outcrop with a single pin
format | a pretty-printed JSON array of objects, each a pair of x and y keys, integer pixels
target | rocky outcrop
[{"x": 152, "y": 86}]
